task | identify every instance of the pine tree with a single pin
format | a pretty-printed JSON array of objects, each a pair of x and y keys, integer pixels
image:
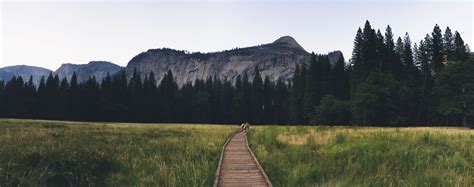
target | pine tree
[
  {"x": 455, "y": 89},
  {"x": 40, "y": 97},
  {"x": 257, "y": 98},
  {"x": 90, "y": 105},
  {"x": 238, "y": 101},
  {"x": 399, "y": 47},
  {"x": 298, "y": 95},
  {"x": 30, "y": 99},
  {"x": 135, "y": 88},
  {"x": 294, "y": 94},
  {"x": 247, "y": 98},
  {"x": 448, "y": 45},
  {"x": 51, "y": 95},
  {"x": 460, "y": 50},
  {"x": 312, "y": 86},
  {"x": 107, "y": 95},
  {"x": 341, "y": 80},
  {"x": 327, "y": 78},
  {"x": 268, "y": 101},
  {"x": 411, "y": 81},
  {"x": 407, "y": 59},
  {"x": 226, "y": 98},
  {"x": 380, "y": 52},
  {"x": 282, "y": 103},
  {"x": 436, "y": 48},
  {"x": 369, "y": 55},
  {"x": 356, "y": 66},
  {"x": 389, "y": 51},
  {"x": 424, "y": 58},
  {"x": 167, "y": 91}
]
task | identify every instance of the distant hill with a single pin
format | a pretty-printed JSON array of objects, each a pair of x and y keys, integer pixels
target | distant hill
[
  {"x": 99, "y": 69},
  {"x": 25, "y": 72},
  {"x": 277, "y": 60}
]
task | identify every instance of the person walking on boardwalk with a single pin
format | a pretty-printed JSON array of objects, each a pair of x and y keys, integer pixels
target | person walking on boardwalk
[{"x": 246, "y": 126}]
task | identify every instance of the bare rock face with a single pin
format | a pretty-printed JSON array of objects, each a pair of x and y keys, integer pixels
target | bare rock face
[
  {"x": 98, "y": 69},
  {"x": 276, "y": 60}
]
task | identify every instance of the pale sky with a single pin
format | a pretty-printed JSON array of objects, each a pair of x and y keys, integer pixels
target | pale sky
[{"x": 49, "y": 33}]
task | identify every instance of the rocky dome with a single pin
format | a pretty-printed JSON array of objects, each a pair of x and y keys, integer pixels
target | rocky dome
[
  {"x": 288, "y": 41},
  {"x": 277, "y": 60}
]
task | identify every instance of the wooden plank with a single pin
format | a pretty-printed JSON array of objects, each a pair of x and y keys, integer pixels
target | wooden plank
[{"x": 238, "y": 166}]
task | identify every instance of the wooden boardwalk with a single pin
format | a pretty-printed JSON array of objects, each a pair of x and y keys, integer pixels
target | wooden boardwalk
[{"x": 238, "y": 165}]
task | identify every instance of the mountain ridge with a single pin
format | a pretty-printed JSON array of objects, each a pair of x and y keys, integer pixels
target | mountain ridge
[
  {"x": 277, "y": 60},
  {"x": 25, "y": 71},
  {"x": 99, "y": 69}
]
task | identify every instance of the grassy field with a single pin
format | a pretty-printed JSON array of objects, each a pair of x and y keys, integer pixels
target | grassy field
[
  {"x": 35, "y": 152},
  {"x": 50, "y": 153},
  {"x": 339, "y": 156}
]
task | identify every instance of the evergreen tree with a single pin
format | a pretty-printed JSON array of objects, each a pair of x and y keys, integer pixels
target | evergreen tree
[
  {"x": 399, "y": 47},
  {"x": 380, "y": 52},
  {"x": 247, "y": 98},
  {"x": 377, "y": 101},
  {"x": 341, "y": 80},
  {"x": 389, "y": 53},
  {"x": 136, "y": 96},
  {"x": 357, "y": 50},
  {"x": 282, "y": 103},
  {"x": 50, "y": 97},
  {"x": 397, "y": 65},
  {"x": 448, "y": 45},
  {"x": 312, "y": 86},
  {"x": 268, "y": 101},
  {"x": 411, "y": 80},
  {"x": 356, "y": 75},
  {"x": 436, "y": 47},
  {"x": 202, "y": 103},
  {"x": 150, "y": 96},
  {"x": 167, "y": 91},
  {"x": 107, "y": 102},
  {"x": 257, "y": 98},
  {"x": 424, "y": 58},
  {"x": 461, "y": 52},
  {"x": 238, "y": 101},
  {"x": 298, "y": 95},
  {"x": 408, "y": 60},
  {"x": 327, "y": 78},
  {"x": 455, "y": 88},
  {"x": 226, "y": 98},
  {"x": 369, "y": 55},
  {"x": 331, "y": 111},
  {"x": 294, "y": 94}
]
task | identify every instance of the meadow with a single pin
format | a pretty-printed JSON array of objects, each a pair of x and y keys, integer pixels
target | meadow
[
  {"x": 365, "y": 156},
  {"x": 55, "y": 153}
]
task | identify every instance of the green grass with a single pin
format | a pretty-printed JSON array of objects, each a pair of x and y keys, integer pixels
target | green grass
[
  {"x": 39, "y": 153},
  {"x": 340, "y": 156}
]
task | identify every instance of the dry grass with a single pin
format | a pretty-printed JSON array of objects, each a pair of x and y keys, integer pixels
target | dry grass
[
  {"x": 63, "y": 153},
  {"x": 326, "y": 136}
]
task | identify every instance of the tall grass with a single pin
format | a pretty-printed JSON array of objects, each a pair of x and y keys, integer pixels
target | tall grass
[
  {"x": 329, "y": 156},
  {"x": 38, "y": 153}
]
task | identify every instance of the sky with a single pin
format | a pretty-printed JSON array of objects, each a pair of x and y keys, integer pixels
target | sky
[{"x": 50, "y": 33}]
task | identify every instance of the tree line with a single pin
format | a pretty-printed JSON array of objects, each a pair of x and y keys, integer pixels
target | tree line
[
  {"x": 116, "y": 98},
  {"x": 386, "y": 83},
  {"x": 389, "y": 83}
]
